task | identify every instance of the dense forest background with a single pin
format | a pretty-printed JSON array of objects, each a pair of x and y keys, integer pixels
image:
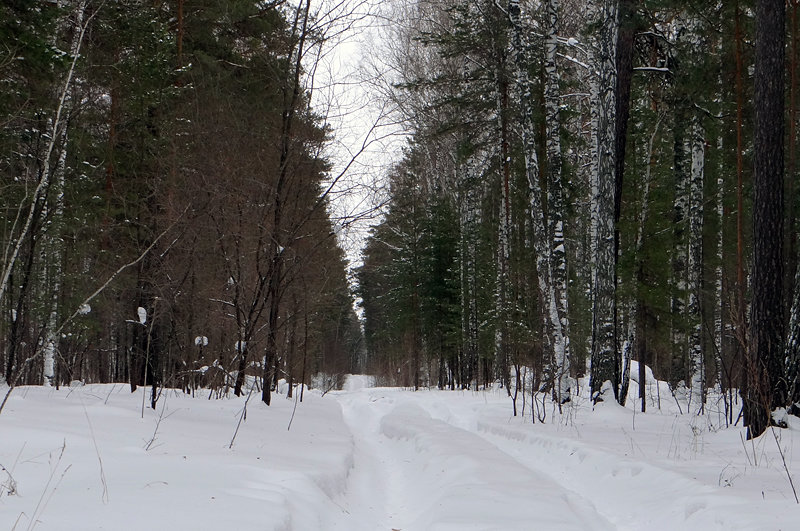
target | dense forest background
[
  {"x": 165, "y": 197},
  {"x": 581, "y": 189}
]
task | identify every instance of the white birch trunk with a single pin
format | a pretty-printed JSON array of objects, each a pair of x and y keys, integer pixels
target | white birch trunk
[
  {"x": 680, "y": 257},
  {"x": 695, "y": 267},
  {"x": 555, "y": 196},
  {"x": 53, "y": 243},
  {"x": 53, "y": 251},
  {"x": 42, "y": 187},
  {"x": 594, "y": 157},
  {"x": 555, "y": 347},
  {"x": 605, "y": 365},
  {"x": 694, "y": 243}
]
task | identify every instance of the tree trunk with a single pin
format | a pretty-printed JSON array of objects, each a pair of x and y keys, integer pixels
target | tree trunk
[
  {"x": 719, "y": 306},
  {"x": 276, "y": 239},
  {"x": 46, "y": 173},
  {"x": 53, "y": 243},
  {"x": 504, "y": 234},
  {"x": 741, "y": 287},
  {"x": 680, "y": 253},
  {"x": 553, "y": 336},
  {"x": 605, "y": 361},
  {"x": 765, "y": 371},
  {"x": 624, "y": 63},
  {"x": 793, "y": 341},
  {"x": 555, "y": 200},
  {"x": 695, "y": 268}
]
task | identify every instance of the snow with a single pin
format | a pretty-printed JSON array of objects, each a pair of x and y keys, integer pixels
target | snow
[
  {"x": 201, "y": 341},
  {"x": 142, "y": 314},
  {"x": 370, "y": 458}
]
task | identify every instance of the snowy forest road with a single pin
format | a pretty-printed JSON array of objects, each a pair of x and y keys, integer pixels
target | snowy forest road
[
  {"x": 414, "y": 471},
  {"x": 453, "y": 461},
  {"x": 383, "y": 459}
]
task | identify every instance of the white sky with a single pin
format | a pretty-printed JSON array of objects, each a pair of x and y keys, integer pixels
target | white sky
[{"x": 364, "y": 145}]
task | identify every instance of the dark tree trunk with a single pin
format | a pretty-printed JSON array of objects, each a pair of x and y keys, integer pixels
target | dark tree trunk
[
  {"x": 14, "y": 369},
  {"x": 625, "y": 40},
  {"x": 766, "y": 385},
  {"x": 626, "y": 33},
  {"x": 741, "y": 288},
  {"x": 275, "y": 271}
]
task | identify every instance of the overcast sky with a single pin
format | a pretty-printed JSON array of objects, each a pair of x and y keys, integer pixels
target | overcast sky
[{"x": 345, "y": 69}]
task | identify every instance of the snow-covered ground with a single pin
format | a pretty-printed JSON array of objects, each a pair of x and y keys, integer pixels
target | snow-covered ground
[{"x": 382, "y": 459}]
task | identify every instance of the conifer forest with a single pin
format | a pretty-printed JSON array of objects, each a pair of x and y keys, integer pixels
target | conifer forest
[{"x": 582, "y": 184}]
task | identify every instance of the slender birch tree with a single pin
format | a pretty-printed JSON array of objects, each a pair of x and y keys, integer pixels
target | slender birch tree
[
  {"x": 554, "y": 338},
  {"x": 604, "y": 359},
  {"x": 555, "y": 196},
  {"x": 53, "y": 243},
  {"x": 695, "y": 268}
]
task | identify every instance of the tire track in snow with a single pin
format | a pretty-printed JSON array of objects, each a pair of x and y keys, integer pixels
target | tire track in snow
[
  {"x": 374, "y": 498},
  {"x": 415, "y": 472},
  {"x": 631, "y": 494}
]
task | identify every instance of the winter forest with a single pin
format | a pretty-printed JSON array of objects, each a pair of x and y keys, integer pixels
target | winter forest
[
  {"x": 586, "y": 184},
  {"x": 564, "y": 204},
  {"x": 165, "y": 211}
]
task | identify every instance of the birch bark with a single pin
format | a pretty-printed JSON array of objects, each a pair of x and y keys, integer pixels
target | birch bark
[
  {"x": 554, "y": 332},
  {"x": 53, "y": 243},
  {"x": 58, "y": 123},
  {"x": 604, "y": 360},
  {"x": 695, "y": 268},
  {"x": 555, "y": 199}
]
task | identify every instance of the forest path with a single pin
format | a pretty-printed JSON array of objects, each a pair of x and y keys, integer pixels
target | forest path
[
  {"x": 624, "y": 484},
  {"x": 414, "y": 470},
  {"x": 375, "y": 497}
]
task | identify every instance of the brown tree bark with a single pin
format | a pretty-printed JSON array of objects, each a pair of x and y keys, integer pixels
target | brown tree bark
[
  {"x": 766, "y": 384},
  {"x": 741, "y": 287}
]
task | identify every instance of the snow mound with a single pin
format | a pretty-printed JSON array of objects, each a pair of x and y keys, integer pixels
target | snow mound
[{"x": 354, "y": 382}]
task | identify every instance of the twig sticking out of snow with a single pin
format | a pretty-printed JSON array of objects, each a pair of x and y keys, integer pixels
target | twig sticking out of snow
[
  {"x": 104, "y": 496},
  {"x": 161, "y": 417},
  {"x": 242, "y": 417},
  {"x": 785, "y": 467},
  {"x": 41, "y": 505},
  {"x": 10, "y": 485}
]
